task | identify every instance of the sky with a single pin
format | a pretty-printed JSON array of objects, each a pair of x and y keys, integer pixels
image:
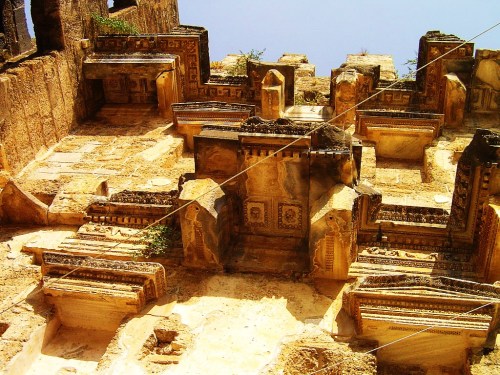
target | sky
[{"x": 327, "y": 30}]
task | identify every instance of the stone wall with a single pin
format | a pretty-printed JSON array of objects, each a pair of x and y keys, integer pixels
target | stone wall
[
  {"x": 485, "y": 90},
  {"x": 43, "y": 98},
  {"x": 157, "y": 16},
  {"x": 13, "y": 28}
]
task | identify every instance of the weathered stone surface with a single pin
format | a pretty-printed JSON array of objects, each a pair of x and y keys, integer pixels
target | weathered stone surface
[
  {"x": 399, "y": 135},
  {"x": 273, "y": 95},
  {"x": 387, "y": 69},
  {"x": 302, "y": 66},
  {"x": 204, "y": 235},
  {"x": 376, "y": 304},
  {"x": 429, "y": 80},
  {"x": 42, "y": 99},
  {"x": 16, "y": 38},
  {"x": 345, "y": 97},
  {"x": 20, "y": 207},
  {"x": 191, "y": 117},
  {"x": 489, "y": 243},
  {"x": 71, "y": 202},
  {"x": 485, "y": 90},
  {"x": 257, "y": 70},
  {"x": 332, "y": 239},
  {"x": 454, "y": 100},
  {"x": 100, "y": 293}
]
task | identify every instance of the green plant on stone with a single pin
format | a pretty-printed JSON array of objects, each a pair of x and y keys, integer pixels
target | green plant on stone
[
  {"x": 240, "y": 68},
  {"x": 160, "y": 239},
  {"x": 318, "y": 99},
  {"x": 411, "y": 64},
  {"x": 108, "y": 25},
  {"x": 299, "y": 100}
]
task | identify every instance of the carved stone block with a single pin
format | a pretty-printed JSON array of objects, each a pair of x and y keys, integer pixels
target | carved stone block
[
  {"x": 256, "y": 214},
  {"x": 289, "y": 216}
]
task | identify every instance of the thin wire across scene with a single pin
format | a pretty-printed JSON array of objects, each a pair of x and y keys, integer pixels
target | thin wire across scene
[{"x": 271, "y": 155}]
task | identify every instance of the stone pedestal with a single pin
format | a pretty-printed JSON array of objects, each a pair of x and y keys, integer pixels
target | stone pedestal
[
  {"x": 273, "y": 95},
  {"x": 489, "y": 244},
  {"x": 345, "y": 97},
  {"x": 454, "y": 101},
  {"x": 485, "y": 88},
  {"x": 167, "y": 91},
  {"x": 204, "y": 234},
  {"x": 332, "y": 236}
]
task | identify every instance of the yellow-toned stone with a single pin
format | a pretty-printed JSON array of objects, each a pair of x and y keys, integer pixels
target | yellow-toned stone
[
  {"x": 273, "y": 95},
  {"x": 203, "y": 234},
  {"x": 454, "y": 100},
  {"x": 20, "y": 207},
  {"x": 332, "y": 238}
]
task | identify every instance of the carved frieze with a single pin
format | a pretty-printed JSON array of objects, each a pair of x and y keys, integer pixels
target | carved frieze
[
  {"x": 289, "y": 216},
  {"x": 256, "y": 214}
]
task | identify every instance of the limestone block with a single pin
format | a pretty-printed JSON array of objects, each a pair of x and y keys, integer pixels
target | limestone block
[
  {"x": 101, "y": 292},
  {"x": 388, "y": 307},
  {"x": 166, "y": 88},
  {"x": 301, "y": 63},
  {"x": 71, "y": 203},
  {"x": 489, "y": 244},
  {"x": 202, "y": 223},
  {"x": 20, "y": 207},
  {"x": 454, "y": 100},
  {"x": 69, "y": 208},
  {"x": 331, "y": 236},
  {"x": 488, "y": 68},
  {"x": 257, "y": 70},
  {"x": 485, "y": 89},
  {"x": 345, "y": 96},
  {"x": 4, "y": 165},
  {"x": 273, "y": 95},
  {"x": 386, "y": 63}
]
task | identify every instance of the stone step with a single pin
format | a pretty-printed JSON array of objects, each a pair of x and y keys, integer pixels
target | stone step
[
  {"x": 128, "y": 214},
  {"x": 361, "y": 269},
  {"x": 114, "y": 112},
  {"x": 92, "y": 289},
  {"x": 98, "y": 293},
  {"x": 104, "y": 249},
  {"x": 307, "y": 113},
  {"x": 99, "y": 232},
  {"x": 117, "y": 250}
]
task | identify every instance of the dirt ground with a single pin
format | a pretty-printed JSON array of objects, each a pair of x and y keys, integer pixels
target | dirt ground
[{"x": 238, "y": 321}]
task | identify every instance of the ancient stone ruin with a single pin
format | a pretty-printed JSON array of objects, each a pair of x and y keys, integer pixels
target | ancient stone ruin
[{"x": 159, "y": 212}]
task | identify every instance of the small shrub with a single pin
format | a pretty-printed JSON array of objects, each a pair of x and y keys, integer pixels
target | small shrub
[
  {"x": 310, "y": 98},
  {"x": 160, "y": 239},
  {"x": 216, "y": 65},
  {"x": 241, "y": 64},
  {"x": 363, "y": 52},
  {"x": 108, "y": 25},
  {"x": 299, "y": 100},
  {"x": 411, "y": 64}
]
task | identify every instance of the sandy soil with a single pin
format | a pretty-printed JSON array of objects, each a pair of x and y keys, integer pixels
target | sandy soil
[
  {"x": 19, "y": 281},
  {"x": 238, "y": 321},
  {"x": 72, "y": 351}
]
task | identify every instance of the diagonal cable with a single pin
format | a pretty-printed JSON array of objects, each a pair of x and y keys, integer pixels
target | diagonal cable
[{"x": 266, "y": 158}]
